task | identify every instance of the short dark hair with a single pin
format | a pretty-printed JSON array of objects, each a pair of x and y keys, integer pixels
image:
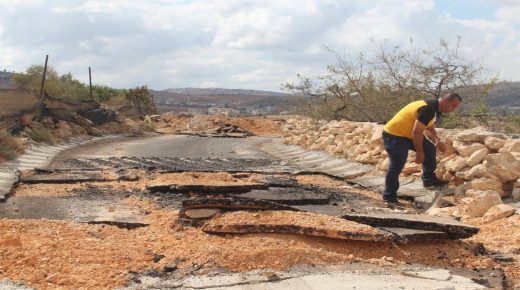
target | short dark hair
[{"x": 452, "y": 96}]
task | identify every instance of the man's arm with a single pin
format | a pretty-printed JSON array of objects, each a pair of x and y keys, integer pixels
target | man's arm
[
  {"x": 418, "y": 138},
  {"x": 432, "y": 135}
]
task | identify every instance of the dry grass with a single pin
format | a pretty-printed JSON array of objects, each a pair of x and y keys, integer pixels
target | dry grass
[
  {"x": 8, "y": 146},
  {"x": 41, "y": 135}
]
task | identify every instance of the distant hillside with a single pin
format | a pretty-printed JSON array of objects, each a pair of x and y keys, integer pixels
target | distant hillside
[
  {"x": 505, "y": 94},
  {"x": 220, "y": 91},
  {"x": 5, "y": 80},
  {"x": 247, "y": 102}
]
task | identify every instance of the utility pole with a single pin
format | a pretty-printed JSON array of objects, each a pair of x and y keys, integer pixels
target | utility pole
[
  {"x": 43, "y": 76},
  {"x": 90, "y": 82}
]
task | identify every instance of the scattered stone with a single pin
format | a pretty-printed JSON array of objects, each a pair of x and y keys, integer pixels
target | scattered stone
[{"x": 202, "y": 213}]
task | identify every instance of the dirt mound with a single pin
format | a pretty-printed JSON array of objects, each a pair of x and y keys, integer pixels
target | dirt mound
[{"x": 269, "y": 126}]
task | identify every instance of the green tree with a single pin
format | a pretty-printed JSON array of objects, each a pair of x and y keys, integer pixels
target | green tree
[
  {"x": 105, "y": 93},
  {"x": 373, "y": 88},
  {"x": 55, "y": 85},
  {"x": 138, "y": 97}
]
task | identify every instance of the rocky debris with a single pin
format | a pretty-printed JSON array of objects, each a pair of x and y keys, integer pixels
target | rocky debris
[
  {"x": 474, "y": 159},
  {"x": 229, "y": 130},
  {"x": 218, "y": 125}
]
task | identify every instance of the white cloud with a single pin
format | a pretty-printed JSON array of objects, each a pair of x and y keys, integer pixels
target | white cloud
[{"x": 235, "y": 43}]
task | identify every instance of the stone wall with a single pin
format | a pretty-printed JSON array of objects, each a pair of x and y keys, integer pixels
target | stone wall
[{"x": 475, "y": 159}]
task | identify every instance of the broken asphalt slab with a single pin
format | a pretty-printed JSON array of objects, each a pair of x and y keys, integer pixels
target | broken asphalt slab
[
  {"x": 166, "y": 164},
  {"x": 236, "y": 203},
  {"x": 205, "y": 188},
  {"x": 63, "y": 178},
  {"x": 332, "y": 233},
  {"x": 79, "y": 210},
  {"x": 453, "y": 228}
]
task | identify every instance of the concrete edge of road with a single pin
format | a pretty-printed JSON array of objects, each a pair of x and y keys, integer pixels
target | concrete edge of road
[
  {"x": 353, "y": 172},
  {"x": 39, "y": 155}
]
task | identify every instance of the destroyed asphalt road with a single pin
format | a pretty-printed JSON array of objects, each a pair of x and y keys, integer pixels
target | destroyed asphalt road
[{"x": 163, "y": 167}]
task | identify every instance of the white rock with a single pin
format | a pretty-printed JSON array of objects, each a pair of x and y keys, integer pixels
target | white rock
[
  {"x": 512, "y": 145},
  {"x": 487, "y": 183},
  {"x": 441, "y": 212},
  {"x": 478, "y": 134},
  {"x": 482, "y": 202},
  {"x": 456, "y": 164},
  {"x": 499, "y": 211},
  {"x": 504, "y": 166},
  {"x": 477, "y": 156},
  {"x": 494, "y": 143},
  {"x": 477, "y": 171},
  {"x": 467, "y": 148}
]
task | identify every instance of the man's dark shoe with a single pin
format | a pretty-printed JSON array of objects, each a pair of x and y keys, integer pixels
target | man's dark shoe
[
  {"x": 435, "y": 183},
  {"x": 394, "y": 204}
]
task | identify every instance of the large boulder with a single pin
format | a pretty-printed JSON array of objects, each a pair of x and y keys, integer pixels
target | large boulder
[
  {"x": 504, "y": 166},
  {"x": 477, "y": 134},
  {"x": 467, "y": 148},
  {"x": 456, "y": 164},
  {"x": 477, "y": 156},
  {"x": 498, "y": 211},
  {"x": 487, "y": 183},
  {"x": 482, "y": 202},
  {"x": 474, "y": 172},
  {"x": 494, "y": 143},
  {"x": 511, "y": 145}
]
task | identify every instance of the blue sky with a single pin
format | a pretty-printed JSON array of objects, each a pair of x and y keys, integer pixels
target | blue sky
[
  {"x": 469, "y": 9},
  {"x": 253, "y": 44}
]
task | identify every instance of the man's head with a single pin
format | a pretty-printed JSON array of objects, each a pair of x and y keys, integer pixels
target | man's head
[{"x": 449, "y": 102}]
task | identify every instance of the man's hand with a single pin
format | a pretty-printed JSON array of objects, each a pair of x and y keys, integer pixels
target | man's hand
[
  {"x": 419, "y": 157},
  {"x": 441, "y": 146}
]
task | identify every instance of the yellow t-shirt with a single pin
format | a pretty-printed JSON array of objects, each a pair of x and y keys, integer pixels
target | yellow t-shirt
[{"x": 402, "y": 123}]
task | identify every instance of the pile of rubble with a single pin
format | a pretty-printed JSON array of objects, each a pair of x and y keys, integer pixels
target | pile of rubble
[
  {"x": 483, "y": 166},
  {"x": 210, "y": 125}
]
